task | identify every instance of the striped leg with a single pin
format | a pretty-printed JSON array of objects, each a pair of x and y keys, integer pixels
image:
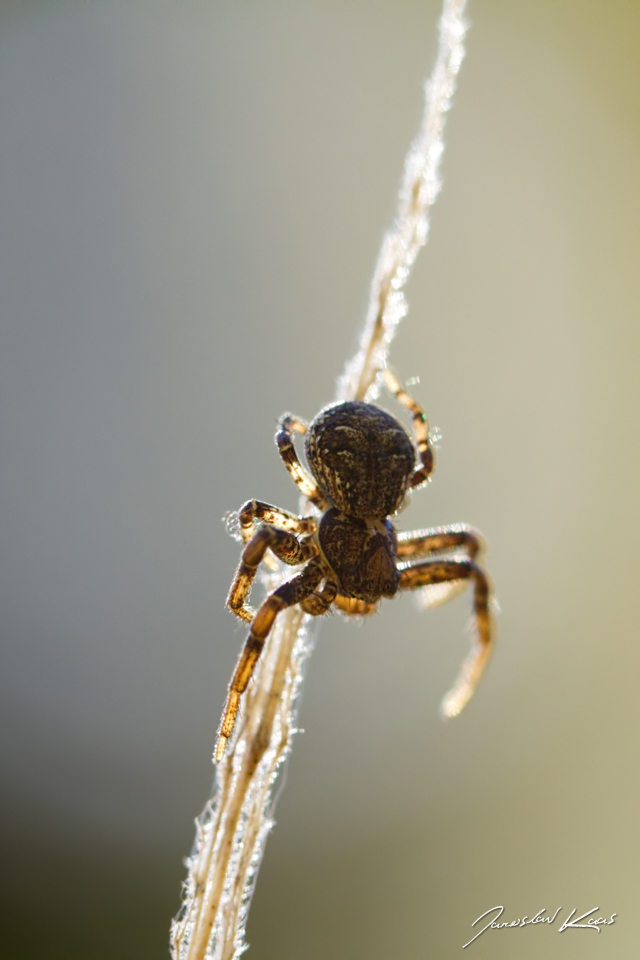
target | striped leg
[
  {"x": 456, "y": 538},
  {"x": 255, "y": 511},
  {"x": 420, "y": 428},
  {"x": 285, "y": 546},
  {"x": 302, "y": 478},
  {"x": 430, "y": 572},
  {"x": 290, "y": 593}
]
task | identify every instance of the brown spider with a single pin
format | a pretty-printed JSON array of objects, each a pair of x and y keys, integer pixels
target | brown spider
[{"x": 363, "y": 464}]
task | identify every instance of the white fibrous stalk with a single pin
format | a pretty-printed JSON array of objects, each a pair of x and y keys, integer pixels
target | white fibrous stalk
[
  {"x": 420, "y": 187},
  {"x": 232, "y": 830}
]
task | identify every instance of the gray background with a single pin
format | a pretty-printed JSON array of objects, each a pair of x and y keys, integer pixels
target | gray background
[{"x": 192, "y": 198}]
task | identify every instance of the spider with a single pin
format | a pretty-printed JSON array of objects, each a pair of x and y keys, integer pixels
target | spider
[{"x": 363, "y": 466}]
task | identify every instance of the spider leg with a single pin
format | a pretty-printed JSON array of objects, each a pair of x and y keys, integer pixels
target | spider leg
[
  {"x": 285, "y": 546},
  {"x": 319, "y": 602},
  {"x": 305, "y": 483},
  {"x": 429, "y": 572},
  {"x": 293, "y": 591},
  {"x": 455, "y": 538},
  {"x": 353, "y": 607},
  {"x": 256, "y": 510},
  {"x": 420, "y": 428}
]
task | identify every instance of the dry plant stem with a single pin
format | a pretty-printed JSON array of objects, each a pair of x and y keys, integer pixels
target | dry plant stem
[
  {"x": 233, "y": 826},
  {"x": 420, "y": 187},
  {"x": 232, "y": 830}
]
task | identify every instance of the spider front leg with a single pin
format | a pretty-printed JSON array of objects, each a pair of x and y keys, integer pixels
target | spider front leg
[
  {"x": 294, "y": 591},
  {"x": 430, "y": 572},
  {"x": 420, "y": 428},
  {"x": 256, "y": 511},
  {"x": 285, "y": 546},
  {"x": 288, "y": 425}
]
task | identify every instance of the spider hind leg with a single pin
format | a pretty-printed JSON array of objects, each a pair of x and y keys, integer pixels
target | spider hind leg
[
  {"x": 448, "y": 571},
  {"x": 456, "y": 539}
]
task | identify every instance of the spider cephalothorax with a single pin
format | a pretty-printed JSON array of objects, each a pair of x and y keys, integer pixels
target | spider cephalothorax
[
  {"x": 363, "y": 464},
  {"x": 361, "y": 458}
]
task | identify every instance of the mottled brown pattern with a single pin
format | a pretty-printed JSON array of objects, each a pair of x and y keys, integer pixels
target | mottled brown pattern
[
  {"x": 363, "y": 463},
  {"x": 362, "y": 557},
  {"x": 361, "y": 458}
]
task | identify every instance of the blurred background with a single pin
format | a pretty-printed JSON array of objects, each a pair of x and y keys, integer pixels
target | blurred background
[{"x": 192, "y": 199}]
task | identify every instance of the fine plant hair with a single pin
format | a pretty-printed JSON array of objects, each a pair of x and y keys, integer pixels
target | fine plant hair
[{"x": 233, "y": 827}]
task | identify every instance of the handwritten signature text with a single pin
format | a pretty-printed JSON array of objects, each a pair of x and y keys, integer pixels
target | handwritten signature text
[{"x": 593, "y": 923}]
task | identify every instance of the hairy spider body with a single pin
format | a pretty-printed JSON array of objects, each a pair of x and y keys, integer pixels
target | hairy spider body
[
  {"x": 363, "y": 465},
  {"x": 362, "y": 555},
  {"x": 361, "y": 459}
]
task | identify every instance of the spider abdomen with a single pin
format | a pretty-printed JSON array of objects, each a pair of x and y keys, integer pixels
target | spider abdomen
[
  {"x": 362, "y": 555},
  {"x": 361, "y": 458}
]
